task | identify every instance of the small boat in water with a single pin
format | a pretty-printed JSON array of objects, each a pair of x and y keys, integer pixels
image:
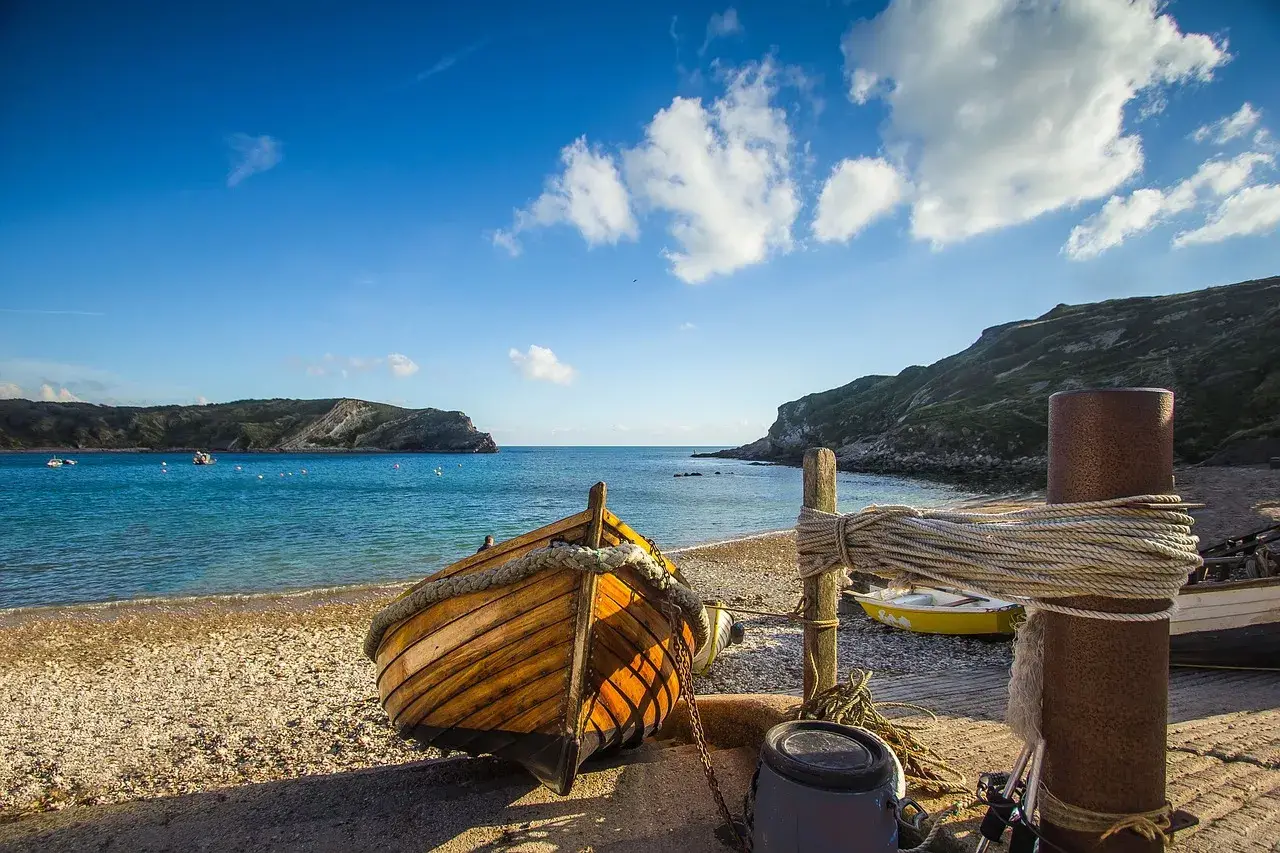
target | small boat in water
[
  {"x": 55, "y": 462},
  {"x": 202, "y": 458},
  {"x": 547, "y": 668},
  {"x": 925, "y": 610}
]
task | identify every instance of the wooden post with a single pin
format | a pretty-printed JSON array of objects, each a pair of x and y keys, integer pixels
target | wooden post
[
  {"x": 821, "y": 592},
  {"x": 1106, "y": 684}
]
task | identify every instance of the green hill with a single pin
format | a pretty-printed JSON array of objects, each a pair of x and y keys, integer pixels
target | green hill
[
  {"x": 984, "y": 411},
  {"x": 243, "y": 425}
]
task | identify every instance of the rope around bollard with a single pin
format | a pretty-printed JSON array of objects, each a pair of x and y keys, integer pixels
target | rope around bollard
[{"x": 1135, "y": 548}]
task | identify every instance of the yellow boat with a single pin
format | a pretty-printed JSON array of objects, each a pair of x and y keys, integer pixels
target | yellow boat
[{"x": 937, "y": 611}]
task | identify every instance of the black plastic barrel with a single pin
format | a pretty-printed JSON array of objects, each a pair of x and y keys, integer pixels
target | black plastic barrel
[{"x": 824, "y": 787}]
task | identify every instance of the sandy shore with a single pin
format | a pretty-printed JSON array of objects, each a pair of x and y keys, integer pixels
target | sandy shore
[{"x": 134, "y": 701}]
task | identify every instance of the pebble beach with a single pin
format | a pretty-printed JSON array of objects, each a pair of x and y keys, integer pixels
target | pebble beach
[{"x": 112, "y": 703}]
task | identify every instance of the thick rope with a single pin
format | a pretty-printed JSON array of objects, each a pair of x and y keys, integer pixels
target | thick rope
[
  {"x": 1131, "y": 548},
  {"x": 1153, "y": 825},
  {"x": 664, "y": 584}
]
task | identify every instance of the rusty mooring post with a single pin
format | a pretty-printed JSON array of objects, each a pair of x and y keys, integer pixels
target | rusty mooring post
[
  {"x": 821, "y": 593},
  {"x": 1106, "y": 684}
]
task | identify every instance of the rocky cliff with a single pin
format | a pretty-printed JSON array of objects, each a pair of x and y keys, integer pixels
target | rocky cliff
[
  {"x": 984, "y": 411},
  {"x": 243, "y": 425}
]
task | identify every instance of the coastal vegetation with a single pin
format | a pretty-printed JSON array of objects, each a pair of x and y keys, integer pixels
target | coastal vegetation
[
  {"x": 244, "y": 425},
  {"x": 982, "y": 413}
]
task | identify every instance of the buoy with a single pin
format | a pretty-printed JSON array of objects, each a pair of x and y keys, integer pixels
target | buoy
[
  {"x": 237, "y": 467},
  {"x": 290, "y": 473},
  {"x": 397, "y": 465},
  {"x": 304, "y": 470},
  {"x": 162, "y": 464},
  {"x": 259, "y": 476},
  {"x": 281, "y": 473}
]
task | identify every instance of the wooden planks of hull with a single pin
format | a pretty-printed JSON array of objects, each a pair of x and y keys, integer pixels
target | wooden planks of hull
[{"x": 546, "y": 671}]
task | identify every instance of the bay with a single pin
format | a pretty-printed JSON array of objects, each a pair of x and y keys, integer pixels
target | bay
[{"x": 136, "y": 525}]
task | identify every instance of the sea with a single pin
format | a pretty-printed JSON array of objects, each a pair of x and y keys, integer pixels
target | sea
[{"x": 140, "y": 525}]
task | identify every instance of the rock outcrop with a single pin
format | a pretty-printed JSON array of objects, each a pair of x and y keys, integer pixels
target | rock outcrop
[
  {"x": 245, "y": 425},
  {"x": 982, "y": 413}
]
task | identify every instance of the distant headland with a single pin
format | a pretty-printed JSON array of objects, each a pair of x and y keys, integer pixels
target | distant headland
[{"x": 342, "y": 425}]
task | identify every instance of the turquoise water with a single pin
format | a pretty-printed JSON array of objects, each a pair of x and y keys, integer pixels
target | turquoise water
[{"x": 117, "y": 526}]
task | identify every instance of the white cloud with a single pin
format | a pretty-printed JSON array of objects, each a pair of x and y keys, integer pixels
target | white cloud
[
  {"x": 401, "y": 365},
  {"x": 588, "y": 195},
  {"x": 398, "y": 365},
  {"x": 540, "y": 363},
  {"x": 1003, "y": 110},
  {"x": 688, "y": 327},
  {"x": 1141, "y": 210},
  {"x": 62, "y": 395},
  {"x": 722, "y": 24},
  {"x": 1252, "y": 210},
  {"x": 251, "y": 155},
  {"x": 724, "y": 175},
  {"x": 202, "y": 400},
  {"x": 857, "y": 192},
  {"x": 1229, "y": 127},
  {"x": 10, "y": 391}
]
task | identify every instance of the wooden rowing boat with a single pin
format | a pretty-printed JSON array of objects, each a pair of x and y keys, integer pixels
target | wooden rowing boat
[
  {"x": 924, "y": 610},
  {"x": 1235, "y": 623},
  {"x": 546, "y": 671}
]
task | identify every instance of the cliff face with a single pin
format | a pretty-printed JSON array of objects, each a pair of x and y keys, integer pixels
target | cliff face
[
  {"x": 242, "y": 425},
  {"x": 985, "y": 410}
]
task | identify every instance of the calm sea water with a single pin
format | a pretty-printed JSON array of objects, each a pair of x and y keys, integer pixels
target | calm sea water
[{"x": 121, "y": 525}]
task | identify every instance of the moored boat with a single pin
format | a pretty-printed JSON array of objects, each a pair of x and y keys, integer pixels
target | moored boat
[
  {"x": 55, "y": 462},
  {"x": 1234, "y": 623},
  {"x": 925, "y": 610},
  {"x": 202, "y": 458},
  {"x": 519, "y": 652}
]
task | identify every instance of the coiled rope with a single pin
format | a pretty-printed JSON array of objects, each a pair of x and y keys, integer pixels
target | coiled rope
[
  {"x": 1135, "y": 548},
  {"x": 665, "y": 586}
]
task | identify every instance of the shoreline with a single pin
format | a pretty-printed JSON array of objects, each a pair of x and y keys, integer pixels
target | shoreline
[
  {"x": 354, "y": 590},
  {"x": 142, "y": 699}
]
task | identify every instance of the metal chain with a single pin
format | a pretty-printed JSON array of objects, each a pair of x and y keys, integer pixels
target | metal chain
[{"x": 684, "y": 669}]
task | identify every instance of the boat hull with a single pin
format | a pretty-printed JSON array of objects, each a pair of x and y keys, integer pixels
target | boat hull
[
  {"x": 1227, "y": 624},
  {"x": 546, "y": 671},
  {"x": 936, "y": 619}
]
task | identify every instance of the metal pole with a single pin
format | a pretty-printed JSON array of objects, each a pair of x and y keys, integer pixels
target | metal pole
[
  {"x": 821, "y": 593},
  {"x": 1106, "y": 684}
]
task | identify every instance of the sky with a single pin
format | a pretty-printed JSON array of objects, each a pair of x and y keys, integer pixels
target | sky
[{"x": 599, "y": 223}]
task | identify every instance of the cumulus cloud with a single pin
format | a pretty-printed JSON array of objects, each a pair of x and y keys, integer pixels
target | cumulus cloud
[
  {"x": 588, "y": 194},
  {"x": 401, "y": 365},
  {"x": 251, "y": 155},
  {"x": 1003, "y": 110},
  {"x": 61, "y": 395},
  {"x": 857, "y": 193},
  {"x": 10, "y": 391},
  {"x": 1253, "y": 210},
  {"x": 1141, "y": 210},
  {"x": 398, "y": 365},
  {"x": 1229, "y": 127},
  {"x": 722, "y": 24},
  {"x": 723, "y": 173},
  {"x": 541, "y": 364}
]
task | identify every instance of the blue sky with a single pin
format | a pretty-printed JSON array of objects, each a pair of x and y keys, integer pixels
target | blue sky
[{"x": 605, "y": 223}]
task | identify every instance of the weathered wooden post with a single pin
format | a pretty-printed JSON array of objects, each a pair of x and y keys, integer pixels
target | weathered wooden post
[
  {"x": 1106, "y": 684},
  {"x": 821, "y": 592}
]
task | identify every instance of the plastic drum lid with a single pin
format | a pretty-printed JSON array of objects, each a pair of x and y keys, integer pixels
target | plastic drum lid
[{"x": 830, "y": 756}]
